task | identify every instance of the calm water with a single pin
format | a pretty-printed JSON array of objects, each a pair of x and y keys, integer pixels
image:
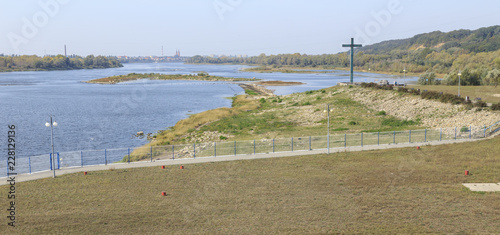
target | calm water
[{"x": 92, "y": 116}]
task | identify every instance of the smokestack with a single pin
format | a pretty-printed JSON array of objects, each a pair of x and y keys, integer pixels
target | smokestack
[{"x": 66, "y": 55}]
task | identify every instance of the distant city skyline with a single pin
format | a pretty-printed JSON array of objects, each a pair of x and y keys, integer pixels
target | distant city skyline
[{"x": 229, "y": 27}]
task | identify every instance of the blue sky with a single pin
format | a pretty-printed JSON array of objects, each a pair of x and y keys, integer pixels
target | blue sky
[{"x": 125, "y": 27}]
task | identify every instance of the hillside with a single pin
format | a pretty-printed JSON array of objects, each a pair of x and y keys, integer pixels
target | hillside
[
  {"x": 474, "y": 52},
  {"x": 473, "y": 41}
]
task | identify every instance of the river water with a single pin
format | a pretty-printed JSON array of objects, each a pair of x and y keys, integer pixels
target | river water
[{"x": 93, "y": 116}]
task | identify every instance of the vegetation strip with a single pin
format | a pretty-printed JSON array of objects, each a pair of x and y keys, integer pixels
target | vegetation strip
[{"x": 157, "y": 76}]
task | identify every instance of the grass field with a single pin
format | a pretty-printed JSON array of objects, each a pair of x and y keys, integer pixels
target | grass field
[
  {"x": 387, "y": 191},
  {"x": 486, "y": 93}
]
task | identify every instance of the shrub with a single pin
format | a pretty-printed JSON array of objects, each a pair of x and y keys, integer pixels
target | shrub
[
  {"x": 431, "y": 95},
  {"x": 353, "y": 123},
  {"x": 262, "y": 100},
  {"x": 403, "y": 89},
  {"x": 318, "y": 98},
  {"x": 480, "y": 104},
  {"x": 464, "y": 129},
  {"x": 382, "y": 113},
  {"x": 393, "y": 122},
  {"x": 307, "y": 103},
  {"x": 309, "y": 92},
  {"x": 495, "y": 106},
  {"x": 222, "y": 137}
]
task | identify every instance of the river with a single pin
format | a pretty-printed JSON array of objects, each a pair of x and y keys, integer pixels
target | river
[{"x": 94, "y": 116}]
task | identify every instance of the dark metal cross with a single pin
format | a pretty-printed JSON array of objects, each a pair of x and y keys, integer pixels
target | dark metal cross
[{"x": 352, "y": 46}]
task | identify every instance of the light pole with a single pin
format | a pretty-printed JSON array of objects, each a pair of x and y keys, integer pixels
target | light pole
[
  {"x": 459, "y": 74},
  {"x": 404, "y": 72},
  {"x": 328, "y": 110},
  {"x": 52, "y": 124}
]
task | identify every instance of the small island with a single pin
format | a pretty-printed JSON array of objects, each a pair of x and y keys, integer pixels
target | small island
[{"x": 201, "y": 76}]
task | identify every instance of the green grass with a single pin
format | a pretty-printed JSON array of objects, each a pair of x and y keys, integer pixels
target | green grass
[
  {"x": 401, "y": 191},
  {"x": 250, "y": 92},
  {"x": 488, "y": 94}
]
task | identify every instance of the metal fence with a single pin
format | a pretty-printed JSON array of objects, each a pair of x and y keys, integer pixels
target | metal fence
[{"x": 40, "y": 163}]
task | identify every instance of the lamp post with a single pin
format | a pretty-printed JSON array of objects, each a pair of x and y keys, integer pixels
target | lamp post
[
  {"x": 328, "y": 110},
  {"x": 404, "y": 72},
  {"x": 52, "y": 124},
  {"x": 459, "y": 74}
]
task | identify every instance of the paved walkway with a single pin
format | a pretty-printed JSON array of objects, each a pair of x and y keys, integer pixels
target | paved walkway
[{"x": 48, "y": 174}]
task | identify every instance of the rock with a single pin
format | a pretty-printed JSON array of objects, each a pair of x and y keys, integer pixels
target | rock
[{"x": 140, "y": 133}]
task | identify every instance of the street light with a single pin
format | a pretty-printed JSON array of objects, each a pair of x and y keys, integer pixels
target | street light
[
  {"x": 52, "y": 124},
  {"x": 328, "y": 110},
  {"x": 459, "y": 74},
  {"x": 404, "y": 79}
]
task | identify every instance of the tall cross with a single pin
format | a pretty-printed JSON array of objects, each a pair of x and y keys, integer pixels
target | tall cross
[{"x": 352, "y": 46}]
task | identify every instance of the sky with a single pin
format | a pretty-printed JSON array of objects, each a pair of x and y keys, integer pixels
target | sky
[{"x": 229, "y": 27}]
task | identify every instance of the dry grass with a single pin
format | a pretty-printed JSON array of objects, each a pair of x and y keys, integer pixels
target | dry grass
[
  {"x": 486, "y": 93},
  {"x": 240, "y": 104},
  {"x": 390, "y": 191},
  {"x": 279, "y": 83}
]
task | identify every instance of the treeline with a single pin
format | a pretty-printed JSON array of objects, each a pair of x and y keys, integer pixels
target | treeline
[
  {"x": 476, "y": 53},
  {"x": 59, "y": 62}
]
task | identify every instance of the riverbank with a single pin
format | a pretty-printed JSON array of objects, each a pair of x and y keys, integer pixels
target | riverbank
[
  {"x": 157, "y": 76},
  {"x": 354, "y": 110}
]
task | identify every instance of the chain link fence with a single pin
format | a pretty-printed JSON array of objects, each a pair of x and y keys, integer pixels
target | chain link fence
[{"x": 43, "y": 162}]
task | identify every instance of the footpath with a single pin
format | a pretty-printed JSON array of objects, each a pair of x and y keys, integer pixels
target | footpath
[{"x": 186, "y": 161}]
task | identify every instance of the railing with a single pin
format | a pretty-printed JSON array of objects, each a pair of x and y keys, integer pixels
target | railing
[{"x": 40, "y": 163}]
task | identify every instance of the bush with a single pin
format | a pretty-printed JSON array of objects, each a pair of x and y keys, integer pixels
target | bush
[
  {"x": 222, "y": 137},
  {"x": 393, "y": 122},
  {"x": 428, "y": 78},
  {"x": 307, "y": 103},
  {"x": 353, "y": 123},
  {"x": 382, "y": 113},
  {"x": 464, "y": 129},
  {"x": 403, "y": 89},
  {"x": 495, "y": 106},
  {"x": 431, "y": 95},
  {"x": 262, "y": 100},
  {"x": 480, "y": 104}
]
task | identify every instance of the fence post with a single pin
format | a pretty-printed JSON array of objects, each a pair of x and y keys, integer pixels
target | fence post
[
  {"x": 105, "y": 157},
  {"x": 173, "y": 151},
  {"x": 194, "y": 150},
  {"x": 273, "y": 145},
  {"x": 128, "y": 155},
  {"x": 50, "y": 161},
  {"x": 292, "y": 144},
  {"x": 441, "y": 134},
  {"x": 484, "y": 132},
  {"x": 409, "y": 138},
  {"x": 29, "y": 163},
  {"x": 234, "y": 148},
  {"x": 361, "y": 139},
  {"x": 455, "y": 133},
  {"x": 470, "y": 132},
  {"x": 310, "y": 146},
  {"x": 58, "y": 161},
  {"x": 378, "y": 138},
  {"x": 81, "y": 157},
  {"x": 254, "y": 147},
  {"x": 394, "y": 137},
  {"x": 425, "y": 139},
  {"x": 345, "y": 140},
  {"x": 215, "y": 149},
  {"x": 151, "y": 152}
]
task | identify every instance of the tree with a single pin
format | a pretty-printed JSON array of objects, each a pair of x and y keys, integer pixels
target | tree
[
  {"x": 493, "y": 77},
  {"x": 428, "y": 78}
]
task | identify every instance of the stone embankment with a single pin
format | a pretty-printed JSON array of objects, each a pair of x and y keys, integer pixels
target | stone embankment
[{"x": 431, "y": 113}]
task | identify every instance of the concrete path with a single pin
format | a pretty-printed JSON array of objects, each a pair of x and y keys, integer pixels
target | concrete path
[
  {"x": 480, "y": 187},
  {"x": 48, "y": 174}
]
